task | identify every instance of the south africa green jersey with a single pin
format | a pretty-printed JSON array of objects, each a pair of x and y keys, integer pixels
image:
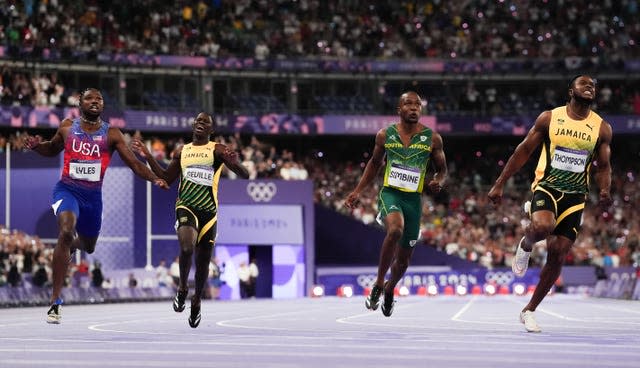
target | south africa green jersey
[{"x": 407, "y": 165}]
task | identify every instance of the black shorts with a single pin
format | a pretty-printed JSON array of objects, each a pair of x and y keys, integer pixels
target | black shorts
[
  {"x": 567, "y": 208},
  {"x": 205, "y": 222}
]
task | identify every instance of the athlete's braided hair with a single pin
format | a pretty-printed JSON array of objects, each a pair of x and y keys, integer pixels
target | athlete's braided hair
[{"x": 84, "y": 91}]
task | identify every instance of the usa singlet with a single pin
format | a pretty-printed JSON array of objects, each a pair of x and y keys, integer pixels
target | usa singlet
[
  {"x": 406, "y": 166},
  {"x": 567, "y": 152},
  {"x": 86, "y": 157},
  {"x": 199, "y": 178}
]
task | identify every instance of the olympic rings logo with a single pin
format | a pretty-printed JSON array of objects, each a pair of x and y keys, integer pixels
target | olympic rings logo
[
  {"x": 366, "y": 280},
  {"x": 500, "y": 278},
  {"x": 261, "y": 192}
]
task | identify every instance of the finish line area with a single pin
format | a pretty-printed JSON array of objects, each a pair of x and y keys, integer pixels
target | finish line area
[{"x": 443, "y": 331}]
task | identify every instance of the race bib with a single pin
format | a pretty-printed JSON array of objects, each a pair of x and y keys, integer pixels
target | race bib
[
  {"x": 202, "y": 175},
  {"x": 85, "y": 170},
  {"x": 404, "y": 177},
  {"x": 568, "y": 159}
]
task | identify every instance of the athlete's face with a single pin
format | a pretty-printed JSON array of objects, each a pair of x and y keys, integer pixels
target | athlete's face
[
  {"x": 583, "y": 89},
  {"x": 410, "y": 107},
  {"x": 91, "y": 103},
  {"x": 203, "y": 125}
]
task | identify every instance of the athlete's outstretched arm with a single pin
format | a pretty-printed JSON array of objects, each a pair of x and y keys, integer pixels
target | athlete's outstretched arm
[
  {"x": 48, "y": 148},
  {"x": 521, "y": 155},
  {"x": 171, "y": 173},
  {"x": 439, "y": 162},
  {"x": 116, "y": 140},
  {"x": 370, "y": 171},
  {"x": 230, "y": 158},
  {"x": 602, "y": 175}
]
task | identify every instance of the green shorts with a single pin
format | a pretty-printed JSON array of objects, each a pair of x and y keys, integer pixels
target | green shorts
[
  {"x": 567, "y": 208},
  {"x": 409, "y": 204}
]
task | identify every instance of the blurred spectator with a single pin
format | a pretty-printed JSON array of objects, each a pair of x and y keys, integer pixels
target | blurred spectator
[
  {"x": 97, "y": 278},
  {"x": 162, "y": 274},
  {"x": 133, "y": 281}
]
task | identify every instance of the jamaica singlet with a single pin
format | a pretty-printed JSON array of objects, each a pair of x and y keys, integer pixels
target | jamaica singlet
[
  {"x": 406, "y": 166},
  {"x": 199, "y": 177},
  {"x": 567, "y": 152},
  {"x": 86, "y": 157}
]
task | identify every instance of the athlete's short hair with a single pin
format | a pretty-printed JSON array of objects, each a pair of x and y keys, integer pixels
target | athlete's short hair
[
  {"x": 573, "y": 80},
  {"x": 84, "y": 92}
]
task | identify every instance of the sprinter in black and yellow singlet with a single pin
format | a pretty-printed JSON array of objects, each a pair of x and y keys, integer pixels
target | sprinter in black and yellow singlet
[
  {"x": 198, "y": 165},
  {"x": 573, "y": 141},
  {"x": 409, "y": 147}
]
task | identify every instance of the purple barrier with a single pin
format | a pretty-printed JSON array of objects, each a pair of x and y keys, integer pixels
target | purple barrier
[
  {"x": 417, "y": 276},
  {"x": 163, "y": 121}
]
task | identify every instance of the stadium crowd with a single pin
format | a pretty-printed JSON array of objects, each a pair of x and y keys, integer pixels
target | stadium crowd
[
  {"x": 604, "y": 32},
  {"x": 23, "y": 87}
]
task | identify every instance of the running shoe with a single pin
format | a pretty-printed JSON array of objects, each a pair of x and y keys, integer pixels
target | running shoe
[
  {"x": 195, "y": 316},
  {"x": 387, "y": 306},
  {"x": 520, "y": 261},
  {"x": 373, "y": 300},
  {"x": 178, "y": 301},
  {"x": 54, "y": 314},
  {"x": 529, "y": 321}
]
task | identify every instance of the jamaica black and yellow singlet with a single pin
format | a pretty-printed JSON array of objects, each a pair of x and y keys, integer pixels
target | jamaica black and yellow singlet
[
  {"x": 567, "y": 152},
  {"x": 199, "y": 178}
]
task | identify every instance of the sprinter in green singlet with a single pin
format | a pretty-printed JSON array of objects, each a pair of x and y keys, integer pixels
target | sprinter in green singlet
[
  {"x": 198, "y": 165},
  {"x": 409, "y": 147},
  {"x": 572, "y": 138}
]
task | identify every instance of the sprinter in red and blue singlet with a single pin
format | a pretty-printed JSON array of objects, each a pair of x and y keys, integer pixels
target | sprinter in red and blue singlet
[
  {"x": 88, "y": 143},
  {"x": 86, "y": 158}
]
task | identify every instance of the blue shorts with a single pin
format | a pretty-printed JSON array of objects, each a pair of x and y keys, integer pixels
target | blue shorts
[{"x": 85, "y": 204}]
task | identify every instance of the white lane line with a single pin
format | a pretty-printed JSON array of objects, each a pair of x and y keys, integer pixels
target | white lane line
[{"x": 464, "y": 308}]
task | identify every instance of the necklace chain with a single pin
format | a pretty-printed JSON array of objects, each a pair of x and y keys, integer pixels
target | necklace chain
[{"x": 90, "y": 121}]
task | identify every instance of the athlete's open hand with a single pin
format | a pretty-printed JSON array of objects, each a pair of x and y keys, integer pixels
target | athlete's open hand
[
  {"x": 31, "y": 141},
  {"x": 495, "y": 194},
  {"x": 352, "y": 200},
  {"x": 229, "y": 155},
  {"x": 161, "y": 183},
  {"x": 605, "y": 200},
  {"x": 435, "y": 186},
  {"x": 140, "y": 148}
]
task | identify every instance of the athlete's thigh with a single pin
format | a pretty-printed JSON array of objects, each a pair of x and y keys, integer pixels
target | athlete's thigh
[
  {"x": 412, "y": 214},
  {"x": 569, "y": 217}
]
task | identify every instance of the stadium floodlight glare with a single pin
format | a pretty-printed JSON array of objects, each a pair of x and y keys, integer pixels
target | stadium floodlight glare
[
  {"x": 461, "y": 290},
  {"x": 519, "y": 289},
  {"x": 490, "y": 289},
  {"x": 317, "y": 291},
  {"x": 404, "y": 291},
  {"x": 345, "y": 291},
  {"x": 432, "y": 290}
]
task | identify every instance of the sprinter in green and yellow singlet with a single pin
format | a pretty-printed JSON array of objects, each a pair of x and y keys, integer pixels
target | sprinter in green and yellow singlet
[
  {"x": 198, "y": 165},
  {"x": 409, "y": 148},
  {"x": 573, "y": 141}
]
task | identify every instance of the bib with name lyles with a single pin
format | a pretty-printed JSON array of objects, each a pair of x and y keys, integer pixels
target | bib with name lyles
[{"x": 86, "y": 156}]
